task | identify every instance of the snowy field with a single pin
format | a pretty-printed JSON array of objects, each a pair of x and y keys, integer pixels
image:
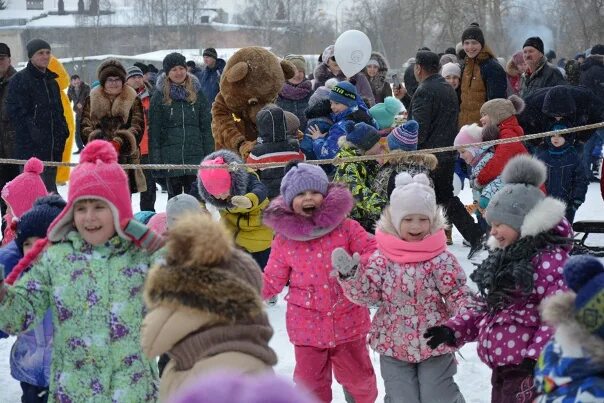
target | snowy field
[{"x": 473, "y": 377}]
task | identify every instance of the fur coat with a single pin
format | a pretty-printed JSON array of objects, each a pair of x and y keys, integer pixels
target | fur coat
[{"x": 120, "y": 121}]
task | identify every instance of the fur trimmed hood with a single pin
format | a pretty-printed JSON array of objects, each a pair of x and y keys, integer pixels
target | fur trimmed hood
[
  {"x": 547, "y": 215},
  {"x": 101, "y": 105},
  {"x": 239, "y": 180},
  {"x": 425, "y": 160},
  {"x": 336, "y": 206},
  {"x": 203, "y": 271},
  {"x": 383, "y": 65},
  {"x": 559, "y": 312}
]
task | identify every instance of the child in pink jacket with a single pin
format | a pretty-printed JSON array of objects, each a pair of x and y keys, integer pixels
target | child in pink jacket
[
  {"x": 417, "y": 284},
  {"x": 530, "y": 241},
  {"x": 327, "y": 330}
]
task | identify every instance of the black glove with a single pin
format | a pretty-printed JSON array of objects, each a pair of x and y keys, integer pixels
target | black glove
[
  {"x": 438, "y": 335},
  {"x": 528, "y": 365}
]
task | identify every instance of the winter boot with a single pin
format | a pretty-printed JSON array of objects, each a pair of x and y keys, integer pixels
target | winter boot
[{"x": 449, "y": 234}]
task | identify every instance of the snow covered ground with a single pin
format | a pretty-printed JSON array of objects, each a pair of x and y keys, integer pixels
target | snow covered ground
[{"x": 473, "y": 377}]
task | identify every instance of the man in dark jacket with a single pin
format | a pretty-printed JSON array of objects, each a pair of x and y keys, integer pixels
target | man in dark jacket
[
  {"x": 78, "y": 92},
  {"x": 540, "y": 73},
  {"x": 210, "y": 75},
  {"x": 7, "y": 132},
  {"x": 435, "y": 107},
  {"x": 592, "y": 77},
  {"x": 35, "y": 109}
]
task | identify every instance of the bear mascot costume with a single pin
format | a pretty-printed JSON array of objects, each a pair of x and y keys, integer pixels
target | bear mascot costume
[{"x": 252, "y": 78}]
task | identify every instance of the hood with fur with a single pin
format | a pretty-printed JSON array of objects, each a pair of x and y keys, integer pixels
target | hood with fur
[
  {"x": 336, "y": 206},
  {"x": 239, "y": 180},
  {"x": 383, "y": 65},
  {"x": 429, "y": 161}
]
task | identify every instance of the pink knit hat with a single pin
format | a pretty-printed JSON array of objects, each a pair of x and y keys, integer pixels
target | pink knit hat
[
  {"x": 21, "y": 193},
  {"x": 468, "y": 134},
  {"x": 98, "y": 176},
  {"x": 216, "y": 181}
]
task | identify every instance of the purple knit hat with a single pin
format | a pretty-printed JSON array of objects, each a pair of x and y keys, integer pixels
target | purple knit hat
[
  {"x": 222, "y": 387},
  {"x": 302, "y": 177},
  {"x": 404, "y": 137}
]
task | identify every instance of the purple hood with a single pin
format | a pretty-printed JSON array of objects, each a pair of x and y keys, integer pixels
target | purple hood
[{"x": 336, "y": 206}]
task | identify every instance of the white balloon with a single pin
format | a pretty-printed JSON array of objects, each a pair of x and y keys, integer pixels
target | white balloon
[{"x": 352, "y": 51}]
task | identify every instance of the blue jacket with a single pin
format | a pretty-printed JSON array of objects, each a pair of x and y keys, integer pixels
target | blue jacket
[
  {"x": 210, "y": 80},
  {"x": 31, "y": 354},
  {"x": 35, "y": 109},
  {"x": 566, "y": 177}
]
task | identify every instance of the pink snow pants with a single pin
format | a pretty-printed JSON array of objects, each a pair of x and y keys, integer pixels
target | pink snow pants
[{"x": 351, "y": 365}]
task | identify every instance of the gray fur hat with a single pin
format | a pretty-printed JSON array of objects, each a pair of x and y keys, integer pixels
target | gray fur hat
[{"x": 522, "y": 177}]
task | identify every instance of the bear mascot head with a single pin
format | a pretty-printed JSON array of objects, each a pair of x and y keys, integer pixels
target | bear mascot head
[{"x": 252, "y": 78}]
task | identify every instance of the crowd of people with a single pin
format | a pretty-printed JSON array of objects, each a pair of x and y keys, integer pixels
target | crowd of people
[{"x": 96, "y": 293}]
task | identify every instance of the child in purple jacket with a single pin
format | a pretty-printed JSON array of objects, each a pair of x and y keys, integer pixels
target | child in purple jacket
[{"x": 530, "y": 242}]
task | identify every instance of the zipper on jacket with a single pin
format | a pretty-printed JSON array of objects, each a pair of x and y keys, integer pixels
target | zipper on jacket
[{"x": 52, "y": 131}]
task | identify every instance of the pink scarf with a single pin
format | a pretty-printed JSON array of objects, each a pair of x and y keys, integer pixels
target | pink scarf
[{"x": 400, "y": 251}]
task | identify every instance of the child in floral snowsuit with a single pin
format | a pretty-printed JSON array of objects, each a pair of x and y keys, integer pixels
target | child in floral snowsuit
[
  {"x": 90, "y": 275},
  {"x": 417, "y": 284},
  {"x": 530, "y": 241}
]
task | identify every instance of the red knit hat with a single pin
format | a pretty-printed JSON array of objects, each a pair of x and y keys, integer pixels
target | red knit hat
[
  {"x": 21, "y": 193},
  {"x": 98, "y": 176}
]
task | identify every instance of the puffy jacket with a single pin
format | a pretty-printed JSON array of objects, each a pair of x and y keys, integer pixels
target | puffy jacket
[
  {"x": 36, "y": 112},
  {"x": 515, "y": 332},
  {"x": 318, "y": 312},
  {"x": 179, "y": 132},
  {"x": 94, "y": 294},
  {"x": 210, "y": 80},
  {"x": 545, "y": 75},
  {"x": 508, "y": 128},
  {"x": 417, "y": 285}
]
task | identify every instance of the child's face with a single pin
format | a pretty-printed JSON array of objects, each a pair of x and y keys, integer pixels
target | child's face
[
  {"x": 485, "y": 120},
  {"x": 466, "y": 155},
  {"x": 337, "y": 107},
  {"x": 558, "y": 141},
  {"x": 94, "y": 221},
  {"x": 453, "y": 81},
  {"x": 29, "y": 243},
  {"x": 305, "y": 204},
  {"x": 504, "y": 234},
  {"x": 414, "y": 227}
]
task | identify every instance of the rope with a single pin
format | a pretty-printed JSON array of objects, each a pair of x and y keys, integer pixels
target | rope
[{"x": 333, "y": 161}]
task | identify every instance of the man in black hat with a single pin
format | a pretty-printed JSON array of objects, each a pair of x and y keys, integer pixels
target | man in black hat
[
  {"x": 35, "y": 109},
  {"x": 435, "y": 107},
  {"x": 210, "y": 75},
  {"x": 539, "y": 73},
  {"x": 7, "y": 132}
]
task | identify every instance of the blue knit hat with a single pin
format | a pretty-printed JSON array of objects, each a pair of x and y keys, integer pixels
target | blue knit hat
[
  {"x": 404, "y": 137},
  {"x": 302, "y": 177},
  {"x": 385, "y": 112},
  {"x": 36, "y": 221},
  {"x": 344, "y": 93},
  {"x": 585, "y": 276},
  {"x": 363, "y": 136}
]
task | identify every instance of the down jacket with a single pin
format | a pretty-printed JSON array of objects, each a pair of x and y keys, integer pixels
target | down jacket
[
  {"x": 95, "y": 297},
  {"x": 35, "y": 109},
  {"x": 417, "y": 285},
  {"x": 508, "y": 335},
  {"x": 318, "y": 313},
  {"x": 179, "y": 132}
]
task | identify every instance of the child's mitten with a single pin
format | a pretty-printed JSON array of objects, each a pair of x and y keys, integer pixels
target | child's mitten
[
  {"x": 241, "y": 202},
  {"x": 345, "y": 264},
  {"x": 142, "y": 236}
]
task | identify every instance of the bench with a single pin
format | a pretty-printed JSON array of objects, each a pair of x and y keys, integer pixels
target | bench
[{"x": 588, "y": 227}]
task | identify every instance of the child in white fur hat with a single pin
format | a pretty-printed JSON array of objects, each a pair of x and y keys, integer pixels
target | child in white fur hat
[{"x": 417, "y": 283}]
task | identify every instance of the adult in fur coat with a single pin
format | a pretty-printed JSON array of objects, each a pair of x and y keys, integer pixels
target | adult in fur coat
[
  {"x": 205, "y": 307},
  {"x": 114, "y": 113},
  {"x": 571, "y": 367}
]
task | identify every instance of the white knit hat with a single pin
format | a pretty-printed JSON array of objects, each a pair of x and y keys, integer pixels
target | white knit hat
[
  {"x": 451, "y": 69},
  {"x": 412, "y": 195}
]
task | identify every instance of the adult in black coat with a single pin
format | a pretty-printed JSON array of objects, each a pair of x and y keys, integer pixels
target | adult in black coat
[
  {"x": 435, "y": 107},
  {"x": 539, "y": 73},
  {"x": 592, "y": 71},
  {"x": 35, "y": 109}
]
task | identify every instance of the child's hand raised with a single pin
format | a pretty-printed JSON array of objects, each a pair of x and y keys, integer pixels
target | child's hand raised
[
  {"x": 315, "y": 133},
  {"x": 345, "y": 264},
  {"x": 241, "y": 202}
]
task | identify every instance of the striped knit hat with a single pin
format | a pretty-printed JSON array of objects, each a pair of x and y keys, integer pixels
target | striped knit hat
[{"x": 404, "y": 137}]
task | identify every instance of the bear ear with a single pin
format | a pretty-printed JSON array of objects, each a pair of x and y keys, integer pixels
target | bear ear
[
  {"x": 289, "y": 70},
  {"x": 237, "y": 72}
]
